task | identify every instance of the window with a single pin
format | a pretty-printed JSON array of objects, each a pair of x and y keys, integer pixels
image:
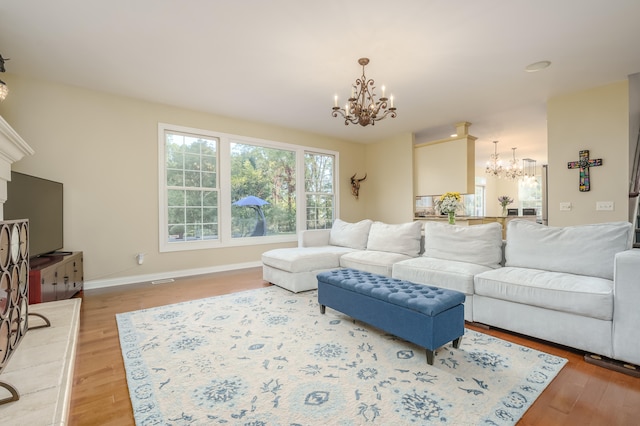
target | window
[
  {"x": 480, "y": 196},
  {"x": 219, "y": 190},
  {"x": 264, "y": 174},
  {"x": 318, "y": 186},
  {"x": 192, "y": 193},
  {"x": 530, "y": 195}
]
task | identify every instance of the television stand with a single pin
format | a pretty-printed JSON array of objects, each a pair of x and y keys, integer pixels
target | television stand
[{"x": 55, "y": 276}]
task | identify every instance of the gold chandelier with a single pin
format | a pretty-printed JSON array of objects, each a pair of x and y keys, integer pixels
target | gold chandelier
[{"x": 362, "y": 107}]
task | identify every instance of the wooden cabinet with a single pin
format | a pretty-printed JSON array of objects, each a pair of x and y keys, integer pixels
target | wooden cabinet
[{"x": 56, "y": 277}]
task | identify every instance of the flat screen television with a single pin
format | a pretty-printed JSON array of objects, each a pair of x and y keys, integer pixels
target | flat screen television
[{"x": 40, "y": 201}]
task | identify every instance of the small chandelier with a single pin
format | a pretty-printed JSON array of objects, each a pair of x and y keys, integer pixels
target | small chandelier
[
  {"x": 494, "y": 165},
  {"x": 513, "y": 170},
  {"x": 529, "y": 166},
  {"x": 362, "y": 107}
]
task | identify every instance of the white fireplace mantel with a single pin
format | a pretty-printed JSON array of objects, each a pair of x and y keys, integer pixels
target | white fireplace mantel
[{"x": 12, "y": 149}]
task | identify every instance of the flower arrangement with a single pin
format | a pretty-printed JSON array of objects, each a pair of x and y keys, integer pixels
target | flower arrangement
[
  {"x": 449, "y": 202},
  {"x": 505, "y": 200}
]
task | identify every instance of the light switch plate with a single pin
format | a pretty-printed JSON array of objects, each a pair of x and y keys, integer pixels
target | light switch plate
[
  {"x": 604, "y": 206},
  {"x": 565, "y": 206}
]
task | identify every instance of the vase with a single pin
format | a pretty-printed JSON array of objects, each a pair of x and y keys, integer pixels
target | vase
[
  {"x": 452, "y": 218},
  {"x": 504, "y": 211}
]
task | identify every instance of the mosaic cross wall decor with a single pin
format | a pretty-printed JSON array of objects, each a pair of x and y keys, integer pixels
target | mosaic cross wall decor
[{"x": 584, "y": 163}]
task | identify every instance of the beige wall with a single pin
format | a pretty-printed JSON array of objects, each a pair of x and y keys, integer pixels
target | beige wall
[
  {"x": 496, "y": 188},
  {"x": 445, "y": 166},
  {"x": 597, "y": 120},
  {"x": 104, "y": 149},
  {"x": 388, "y": 190}
]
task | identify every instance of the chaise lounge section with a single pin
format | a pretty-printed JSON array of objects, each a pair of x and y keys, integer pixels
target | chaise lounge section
[{"x": 366, "y": 245}]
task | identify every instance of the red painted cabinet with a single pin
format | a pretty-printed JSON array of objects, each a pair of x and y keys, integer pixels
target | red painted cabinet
[{"x": 55, "y": 277}]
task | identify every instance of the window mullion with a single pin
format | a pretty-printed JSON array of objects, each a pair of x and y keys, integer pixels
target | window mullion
[{"x": 224, "y": 189}]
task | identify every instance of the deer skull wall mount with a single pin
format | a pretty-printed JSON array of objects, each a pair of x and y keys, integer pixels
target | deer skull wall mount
[{"x": 355, "y": 185}]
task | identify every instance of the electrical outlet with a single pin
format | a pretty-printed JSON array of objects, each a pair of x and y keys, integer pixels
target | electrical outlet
[
  {"x": 565, "y": 206},
  {"x": 140, "y": 258},
  {"x": 604, "y": 206}
]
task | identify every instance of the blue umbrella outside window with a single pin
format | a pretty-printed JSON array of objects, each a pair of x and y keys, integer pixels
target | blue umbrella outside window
[{"x": 255, "y": 203}]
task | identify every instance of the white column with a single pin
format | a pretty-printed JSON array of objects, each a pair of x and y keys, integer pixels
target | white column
[{"x": 12, "y": 149}]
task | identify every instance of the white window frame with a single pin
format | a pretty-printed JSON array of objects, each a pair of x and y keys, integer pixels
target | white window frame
[{"x": 224, "y": 185}]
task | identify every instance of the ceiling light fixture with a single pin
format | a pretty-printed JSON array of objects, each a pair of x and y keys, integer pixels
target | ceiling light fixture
[
  {"x": 537, "y": 66},
  {"x": 513, "y": 170},
  {"x": 494, "y": 165},
  {"x": 362, "y": 107},
  {"x": 529, "y": 166},
  {"x": 4, "y": 90}
]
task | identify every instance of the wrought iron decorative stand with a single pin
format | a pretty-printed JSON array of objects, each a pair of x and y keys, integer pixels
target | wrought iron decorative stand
[{"x": 14, "y": 294}]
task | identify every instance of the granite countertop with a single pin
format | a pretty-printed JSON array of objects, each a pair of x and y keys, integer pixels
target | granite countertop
[
  {"x": 444, "y": 217},
  {"x": 460, "y": 217}
]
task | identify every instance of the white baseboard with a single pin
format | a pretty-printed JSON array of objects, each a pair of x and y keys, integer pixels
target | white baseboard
[{"x": 134, "y": 279}]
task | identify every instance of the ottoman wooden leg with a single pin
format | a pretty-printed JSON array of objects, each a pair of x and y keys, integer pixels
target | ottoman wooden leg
[
  {"x": 456, "y": 343},
  {"x": 322, "y": 309},
  {"x": 429, "y": 357}
]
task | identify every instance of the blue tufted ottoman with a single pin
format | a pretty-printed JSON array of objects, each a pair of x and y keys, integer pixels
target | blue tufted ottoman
[{"x": 424, "y": 315}]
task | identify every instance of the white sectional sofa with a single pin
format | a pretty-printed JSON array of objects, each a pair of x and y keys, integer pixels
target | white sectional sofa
[
  {"x": 567, "y": 285},
  {"x": 366, "y": 245},
  {"x": 578, "y": 286},
  {"x": 453, "y": 256}
]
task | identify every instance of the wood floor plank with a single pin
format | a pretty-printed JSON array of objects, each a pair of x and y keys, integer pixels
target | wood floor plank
[{"x": 581, "y": 394}]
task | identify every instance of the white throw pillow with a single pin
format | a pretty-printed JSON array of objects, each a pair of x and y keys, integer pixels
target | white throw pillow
[
  {"x": 352, "y": 235},
  {"x": 581, "y": 249},
  {"x": 479, "y": 244},
  {"x": 401, "y": 238}
]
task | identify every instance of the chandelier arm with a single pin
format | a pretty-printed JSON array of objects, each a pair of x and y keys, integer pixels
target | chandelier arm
[{"x": 347, "y": 118}]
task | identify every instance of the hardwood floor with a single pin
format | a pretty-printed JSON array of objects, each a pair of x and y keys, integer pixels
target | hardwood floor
[{"x": 582, "y": 394}]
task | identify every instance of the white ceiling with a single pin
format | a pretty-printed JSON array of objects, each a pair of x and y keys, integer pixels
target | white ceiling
[{"x": 282, "y": 61}]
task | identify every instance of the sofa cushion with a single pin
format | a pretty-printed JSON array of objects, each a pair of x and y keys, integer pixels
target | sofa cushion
[
  {"x": 304, "y": 259},
  {"x": 352, "y": 235},
  {"x": 582, "y": 249},
  {"x": 480, "y": 244},
  {"x": 448, "y": 274},
  {"x": 376, "y": 262},
  {"x": 576, "y": 294},
  {"x": 403, "y": 238}
]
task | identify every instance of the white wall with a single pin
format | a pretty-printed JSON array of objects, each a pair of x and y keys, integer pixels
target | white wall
[
  {"x": 104, "y": 149},
  {"x": 598, "y": 120}
]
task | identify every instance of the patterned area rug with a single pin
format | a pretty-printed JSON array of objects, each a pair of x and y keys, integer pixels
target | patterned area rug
[{"x": 268, "y": 357}]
